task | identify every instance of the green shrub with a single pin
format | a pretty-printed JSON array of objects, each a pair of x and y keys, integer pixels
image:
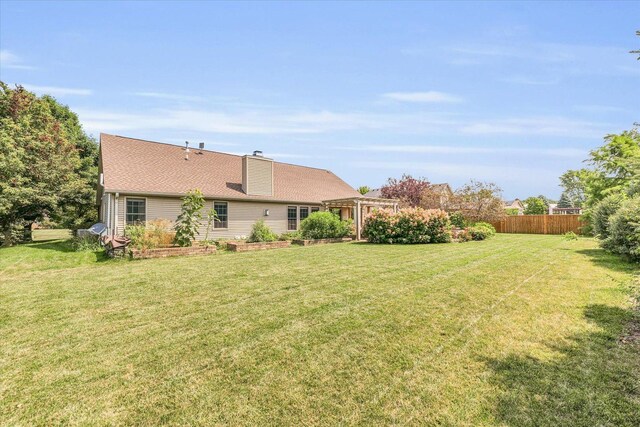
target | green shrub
[
  {"x": 88, "y": 242},
  {"x": 601, "y": 212},
  {"x": 624, "y": 230},
  {"x": 153, "y": 234},
  {"x": 189, "y": 219},
  {"x": 289, "y": 236},
  {"x": 408, "y": 226},
  {"x": 325, "y": 225},
  {"x": 457, "y": 220},
  {"x": 221, "y": 245},
  {"x": 482, "y": 231},
  {"x": 462, "y": 235},
  {"x": 260, "y": 232},
  {"x": 570, "y": 235}
]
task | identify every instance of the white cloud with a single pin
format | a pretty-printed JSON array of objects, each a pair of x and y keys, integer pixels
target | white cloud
[
  {"x": 541, "y": 126},
  {"x": 447, "y": 149},
  {"x": 57, "y": 91},
  {"x": 293, "y": 122},
  {"x": 267, "y": 121},
  {"x": 169, "y": 96},
  {"x": 10, "y": 60},
  {"x": 427, "y": 97},
  {"x": 460, "y": 171}
]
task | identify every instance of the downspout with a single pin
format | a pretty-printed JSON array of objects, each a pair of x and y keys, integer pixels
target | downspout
[
  {"x": 115, "y": 227},
  {"x": 107, "y": 219}
]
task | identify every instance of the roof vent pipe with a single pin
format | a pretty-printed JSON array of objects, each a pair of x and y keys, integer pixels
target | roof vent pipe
[
  {"x": 186, "y": 150},
  {"x": 200, "y": 147},
  {"x": 258, "y": 153}
]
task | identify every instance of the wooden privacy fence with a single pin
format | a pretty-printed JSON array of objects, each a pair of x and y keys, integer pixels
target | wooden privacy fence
[{"x": 539, "y": 224}]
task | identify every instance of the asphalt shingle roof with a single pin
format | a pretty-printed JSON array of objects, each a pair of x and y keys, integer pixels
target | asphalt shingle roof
[{"x": 144, "y": 167}]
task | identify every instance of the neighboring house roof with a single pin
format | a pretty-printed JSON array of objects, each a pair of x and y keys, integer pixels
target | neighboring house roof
[
  {"x": 442, "y": 188},
  {"x": 376, "y": 192},
  {"x": 137, "y": 166},
  {"x": 513, "y": 203}
]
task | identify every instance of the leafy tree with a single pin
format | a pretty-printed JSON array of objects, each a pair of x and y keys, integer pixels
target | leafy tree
[
  {"x": 574, "y": 184},
  {"x": 363, "y": 189},
  {"x": 614, "y": 169},
  {"x": 624, "y": 230},
  {"x": 546, "y": 201},
  {"x": 565, "y": 201},
  {"x": 602, "y": 212},
  {"x": 478, "y": 201},
  {"x": 188, "y": 221},
  {"x": 512, "y": 211},
  {"x": 408, "y": 190},
  {"x": 77, "y": 205},
  {"x": 433, "y": 199},
  {"x": 39, "y": 162},
  {"x": 534, "y": 206}
]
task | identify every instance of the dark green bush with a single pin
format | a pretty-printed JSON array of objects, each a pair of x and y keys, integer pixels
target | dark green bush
[
  {"x": 624, "y": 230},
  {"x": 289, "y": 236},
  {"x": 457, "y": 220},
  {"x": 482, "y": 231},
  {"x": 325, "y": 225},
  {"x": 86, "y": 243},
  {"x": 601, "y": 212},
  {"x": 260, "y": 232},
  {"x": 412, "y": 225}
]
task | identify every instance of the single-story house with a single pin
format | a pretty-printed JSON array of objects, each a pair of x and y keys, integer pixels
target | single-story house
[
  {"x": 376, "y": 192},
  {"x": 143, "y": 180},
  {"x": 514, "y": 204},
  {"x": 555, "y": 210}
]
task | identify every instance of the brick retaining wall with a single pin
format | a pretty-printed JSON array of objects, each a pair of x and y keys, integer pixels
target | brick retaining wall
[
  {"x": 172, "y": 251},
  {"x": 321, "y": 241},
  {"x": 245, "y": 247}
]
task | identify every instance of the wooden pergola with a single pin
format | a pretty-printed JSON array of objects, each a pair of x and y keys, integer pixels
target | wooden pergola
[{"x": 358, "y": 207}]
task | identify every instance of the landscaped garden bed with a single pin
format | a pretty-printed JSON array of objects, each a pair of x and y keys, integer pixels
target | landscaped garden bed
[
  {"x": 309, "y": 242},
  {"x": 257, "y": 246},
  {"x": 171, "y": 251}
]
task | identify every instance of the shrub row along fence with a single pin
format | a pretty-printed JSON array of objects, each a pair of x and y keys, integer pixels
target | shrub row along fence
[{"x": 539, "y": 224}]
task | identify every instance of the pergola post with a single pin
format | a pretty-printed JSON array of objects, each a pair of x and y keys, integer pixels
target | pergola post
[{"x": 358, "y": 218}]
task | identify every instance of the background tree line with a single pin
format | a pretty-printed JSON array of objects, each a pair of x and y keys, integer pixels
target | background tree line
[
  {"x": 48, "y": 165},
  {"x": 609, "y": 191}
]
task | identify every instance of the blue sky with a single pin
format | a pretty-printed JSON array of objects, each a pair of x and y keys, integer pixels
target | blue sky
[{"x": 514, "y": 93}]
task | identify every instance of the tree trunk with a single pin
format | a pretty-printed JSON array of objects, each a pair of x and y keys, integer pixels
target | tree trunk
[{"x": 7, "y": 236}]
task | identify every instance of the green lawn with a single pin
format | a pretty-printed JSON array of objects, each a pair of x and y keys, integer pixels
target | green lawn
[
  {"x": 50, "y": 234},
  {"x": 518, "y": 330}
]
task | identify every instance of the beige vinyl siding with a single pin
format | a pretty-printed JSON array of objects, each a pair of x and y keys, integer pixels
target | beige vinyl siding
[
  {"x": 241, "y": 217},
  {"x": 257, "y": 176}
]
